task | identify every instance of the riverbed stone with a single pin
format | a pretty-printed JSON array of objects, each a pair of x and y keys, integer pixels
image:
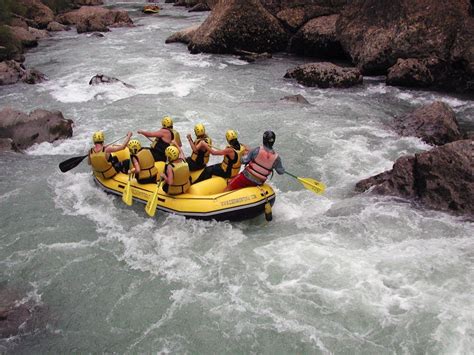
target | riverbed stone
[
  {"x": 239, "y": 24},
  {"x": 442, "y": 178},
  {"x": 410, "y": 72},
  {"x": 300, "y": 99},
  {"x": 183, "y": 36},
  {"x": 325, "y": 75},
  {"x": 37, "y": 127},
  {"x": 54, "y": 26},
  {"x": 38, "y": 12},
  {"x": 434, "y": 123}
]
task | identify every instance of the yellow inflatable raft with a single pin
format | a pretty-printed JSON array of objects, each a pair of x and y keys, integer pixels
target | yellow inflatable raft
[
  {"x": 151, "y": 9},
  {"x": 205, "y": 200}
]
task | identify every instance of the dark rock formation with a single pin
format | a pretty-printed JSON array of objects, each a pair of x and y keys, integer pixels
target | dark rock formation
[
  {"x": 317, "y": 38},
  {"x": 325, "y": 75},
  {"x": 88, "y": 2},
  {"x": 12, "y": 72},
  {"x": 435, "y": 124},
  {"x": 300, "y": 99},
  {"x": 37, "y": 127},
  {"x": 92, "y": 19},
  {"x": 377, "y": 33},
  {"x": 313, "y": 8},
  {"x": 39, "y": 13},
  {"x": 410, "y": 72},
  {"x": 251, "y": 56},
  {"x": 7, "y": 144},
  {"x": 239, "y": 24},
  {"x": 104, "y": 79},
  {"x": 56, "y": 27},
  {"x": 199, "y": 8},
  {"x": 183, "y": 36},
  {"x": 442, "y": 178},
  {"x": 295, "y": 17}
]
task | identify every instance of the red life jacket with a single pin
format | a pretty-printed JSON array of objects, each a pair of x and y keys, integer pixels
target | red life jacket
[{"x": 262, "y": 165}]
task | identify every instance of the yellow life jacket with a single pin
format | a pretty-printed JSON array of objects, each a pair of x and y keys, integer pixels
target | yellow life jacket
[
  {"x": 233, "y": 165},
  {"x": 100, "y": 165},
  {"x": 181, "y": 178},
  {"x": 176, "y": 137},
  {"x": 201, "y": 157},
  {"x": 147, "y": 164}
]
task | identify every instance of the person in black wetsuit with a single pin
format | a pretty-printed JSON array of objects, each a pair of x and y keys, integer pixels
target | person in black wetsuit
[{"x": 163, "y": 138}]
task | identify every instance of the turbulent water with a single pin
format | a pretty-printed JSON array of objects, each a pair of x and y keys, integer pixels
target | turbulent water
[{"x": 340, "y": 273}]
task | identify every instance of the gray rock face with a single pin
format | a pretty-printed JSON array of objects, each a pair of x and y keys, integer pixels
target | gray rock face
[
  {"x": 37, "y": 127},
  {"x": 239, "y": 24},
  {"x": 442, "y": 178},
  {"x": 104, "y": 79},
  {"x": 435, "y": 124},
  {"x": 300, "y": 99},
  {"x": 325, "y": 75},
  {"x": 12, "y": 72}
]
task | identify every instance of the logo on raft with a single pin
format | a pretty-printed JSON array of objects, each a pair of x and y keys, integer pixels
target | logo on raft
[{"x": 238, "y": 200}]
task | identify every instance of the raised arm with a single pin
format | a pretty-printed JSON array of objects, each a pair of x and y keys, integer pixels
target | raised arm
[{"x": 116, "y": 148}]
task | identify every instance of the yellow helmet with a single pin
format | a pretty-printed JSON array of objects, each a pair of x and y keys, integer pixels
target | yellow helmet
[
  {"x": 134, "y": 146},
  {"x": 199, "y": 130},
  {"x": 230, "y": 135},
  {"x": 98, "y": 137},
  {"x": 172, "y": 153},
  {"x": 167, "y": 122}
]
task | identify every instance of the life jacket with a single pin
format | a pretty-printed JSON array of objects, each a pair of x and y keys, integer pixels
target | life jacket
[
  {"x": 201, "y": 157},
  {"x": 175, "y": 135},
  {"x": 232, "y": 167},
  {"x": 159, "y": 144},
  {"x": 181, "y": 178},
  {"x": 100, "y": 165},
  {"x": 147, "y": 164},
  {"x": 262, "y": 165}
]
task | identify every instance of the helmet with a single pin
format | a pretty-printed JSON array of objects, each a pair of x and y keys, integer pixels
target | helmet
[
  {"x": 230, "y": 135},
  {"x": 134, "y": 145},
  {"x": 269, "y": 138},
  {"x": 172, "y": 153},
  {"x": 167, "y": 122},
  {"x": 98, "y": 137},
  {"x": 199, "y": 130}
]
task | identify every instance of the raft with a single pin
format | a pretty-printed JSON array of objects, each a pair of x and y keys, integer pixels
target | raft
[
  {"x": 151, "y": 9},
  {"x": 205, "y": 200}
]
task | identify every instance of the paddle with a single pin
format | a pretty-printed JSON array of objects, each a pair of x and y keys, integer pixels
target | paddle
[
  {"x": 127, "y": 192},
  {"x": 71, "y": 163},
  {"x": 310, "y": 184},
  {"x": 150, "y": 207}
]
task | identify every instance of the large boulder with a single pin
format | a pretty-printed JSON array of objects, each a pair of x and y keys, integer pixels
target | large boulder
[
  {"x": 56, "y": 27},
  {"x": 36, "y": 127},
  {"x": 104, "y": 79},
  {"x": 325, "y": 75},
  {"x": 377, "y": 33},
  {"x": 93, "y": 19},
  {"x": 317, "y": 38},
  {"x": 37, "y": 12},
  {"x": 25, "y": 37},
  {"x": 435, "y": 124},
  {"x": 275, "y": 6},
  {"x": 442, "y": 178},
  {"x": 12, "y": 72},
  {"x": 295, "y": 17},
  {"x": 239, "y": 24},
  {"x": 411, "y": 73},
  {"x": 183, "y": 36}
]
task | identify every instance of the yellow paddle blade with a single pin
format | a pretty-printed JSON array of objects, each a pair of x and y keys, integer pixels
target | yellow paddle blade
[
  {"x": 312, "y": 185},
  {"x": 127, "y": 194},
  {"x": 150, "y": 207}
]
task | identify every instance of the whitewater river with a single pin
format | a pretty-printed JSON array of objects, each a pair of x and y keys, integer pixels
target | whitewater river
[{"x": 340, "y": 273}]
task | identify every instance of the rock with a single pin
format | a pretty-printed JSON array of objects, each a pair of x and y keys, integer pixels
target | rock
[
  {"x": 26, "y": 38},
  {"x": 88, "y": 2},
  {"x": 6, "y": 144},
  {"x": 183, "y": 36},
  {"x": 300, "y": 99},
  {"x": 310, "y": 6},
  {"x": 295, "y": 17},
  {"x": 435, "y": 124},
  {"x": 251, "y": 56},
  {"x": 317, "y": 38},
  {"x": 92, "y": 19},
  {"x": 38, "y": 34},
  {"x": 38, "y": 12},
  {"x": 10, "y": 72},
  {"x": 104, "y": 79},
  {"x": 37, "y": 127},
  {"x": 239, "y": 24},
  {"x": 56, "y": 27},
  {"x": 442, "y": 178},
  {"x": 96, "y": 34},
  {"x": 200, "y": 8},
  {"x": 377, "y": 33},
  {"x": 411, "y": 73},
  {"x": 325, "y": 75}
]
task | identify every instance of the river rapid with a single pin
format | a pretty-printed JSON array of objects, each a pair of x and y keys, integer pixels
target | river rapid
[{"x": 341, "y": 273}]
